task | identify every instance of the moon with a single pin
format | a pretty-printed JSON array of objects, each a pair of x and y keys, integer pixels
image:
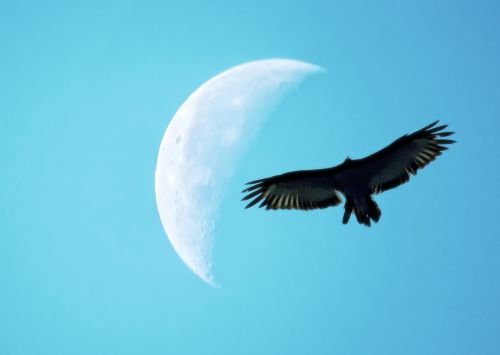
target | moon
[{"x": 202, "y": 143}]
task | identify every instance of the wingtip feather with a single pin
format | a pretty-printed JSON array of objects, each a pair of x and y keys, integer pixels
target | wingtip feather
[
  {"x": 445, "y": 141},
  {"x": 444, "y": 134},
  {"x": 255, "y": 181},
  {"x": 437, "y": 129},
  {"x": 430, "y": 125}
]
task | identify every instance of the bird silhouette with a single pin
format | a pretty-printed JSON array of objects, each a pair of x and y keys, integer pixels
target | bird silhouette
[{"x": 356, "y": 179}]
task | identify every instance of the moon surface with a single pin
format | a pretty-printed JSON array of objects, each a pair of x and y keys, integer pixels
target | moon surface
[{"x": 200, "y": 147}]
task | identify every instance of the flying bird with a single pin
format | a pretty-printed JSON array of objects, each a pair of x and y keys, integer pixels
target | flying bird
[{"x": 356, "y": 179}]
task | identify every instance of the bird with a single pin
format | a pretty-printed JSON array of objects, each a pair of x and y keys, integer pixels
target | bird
[{"x": 357, "y": 180}]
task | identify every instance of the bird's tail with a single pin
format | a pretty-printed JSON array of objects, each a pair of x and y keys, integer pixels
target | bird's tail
[
  {"x": 347, "y": 211},
  {"x": 364, "y": 209}
]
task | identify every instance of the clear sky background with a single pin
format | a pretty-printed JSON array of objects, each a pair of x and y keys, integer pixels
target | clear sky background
[{"x": 86, "y": 92}]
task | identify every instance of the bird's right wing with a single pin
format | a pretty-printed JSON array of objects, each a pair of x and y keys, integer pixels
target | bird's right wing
[{"x": 303, "y": 190}]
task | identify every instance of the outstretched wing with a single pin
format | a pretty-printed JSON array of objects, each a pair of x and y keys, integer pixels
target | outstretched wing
[
  {"x": 393, "y": 165},
  {"x": 303, "y": 190}
]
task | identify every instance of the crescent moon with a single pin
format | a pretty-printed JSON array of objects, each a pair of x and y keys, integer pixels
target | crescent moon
[{"x": 202, "y": 143}]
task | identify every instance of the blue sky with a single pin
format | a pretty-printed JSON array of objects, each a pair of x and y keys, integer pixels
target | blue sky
[{"x": 87, "y": 90}]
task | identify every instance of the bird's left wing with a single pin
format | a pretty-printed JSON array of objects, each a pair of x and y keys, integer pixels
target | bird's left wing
[
  {"x": 393, "y": 165},
  {"x": 303, "y": 190}
]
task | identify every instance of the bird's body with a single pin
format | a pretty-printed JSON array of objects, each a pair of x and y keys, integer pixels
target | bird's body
[{"x": 356, "y": 179}]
